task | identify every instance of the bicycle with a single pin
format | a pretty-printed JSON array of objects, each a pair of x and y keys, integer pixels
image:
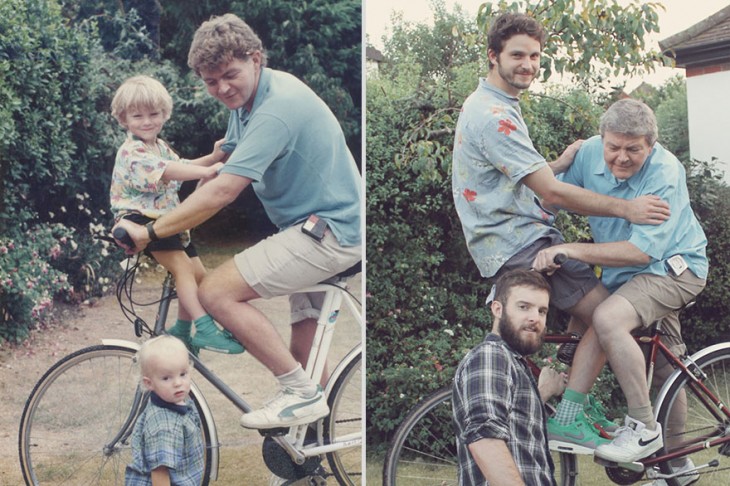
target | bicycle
[
  {"x": 423, "y": 449},
  {"x": 77, "y": 422}
]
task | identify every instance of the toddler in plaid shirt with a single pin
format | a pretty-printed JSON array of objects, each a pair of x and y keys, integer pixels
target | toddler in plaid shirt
[{"x": 167, "y": 444}]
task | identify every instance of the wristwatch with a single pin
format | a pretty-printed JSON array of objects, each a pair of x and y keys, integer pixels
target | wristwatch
[{"x": 151, "y": 231}]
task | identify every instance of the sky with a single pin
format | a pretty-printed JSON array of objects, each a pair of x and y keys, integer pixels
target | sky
[{"x": 678, "y": 16}]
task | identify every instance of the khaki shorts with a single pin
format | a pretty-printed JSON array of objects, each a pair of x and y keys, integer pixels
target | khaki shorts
[
  {"x": 289, "y": 261},
  {"x": 661, "y": 298}
]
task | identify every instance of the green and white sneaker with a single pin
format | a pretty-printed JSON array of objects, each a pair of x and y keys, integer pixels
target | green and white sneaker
[
  {"x": 288, "y": 409},
  {"x": 182, "y": 332},
  {"x": 579, "y": 437},
  {"x": 596, "y": 414},
  {"x": 208, "y": 336}
]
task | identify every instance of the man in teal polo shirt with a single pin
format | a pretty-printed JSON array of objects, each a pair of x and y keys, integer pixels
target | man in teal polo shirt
[
  {"x": 651, "y": 271},
  {"x": 285, "y": 142}
]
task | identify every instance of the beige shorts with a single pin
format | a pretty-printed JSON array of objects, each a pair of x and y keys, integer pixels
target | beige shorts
[
  {"x": 289, "y": 261},
  {"x": 661, "y": 298}
]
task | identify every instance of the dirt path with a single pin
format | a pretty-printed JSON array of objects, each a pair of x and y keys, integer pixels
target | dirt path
[{"x": 21, "y": 366}]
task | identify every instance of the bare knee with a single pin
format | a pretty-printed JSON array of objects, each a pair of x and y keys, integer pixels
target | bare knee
[{"x": 208, "y": 294}]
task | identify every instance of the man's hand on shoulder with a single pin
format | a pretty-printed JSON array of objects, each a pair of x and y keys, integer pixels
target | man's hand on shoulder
[
  {"x": 562, "y": 163},
  {"x": 648, "y": 209}
]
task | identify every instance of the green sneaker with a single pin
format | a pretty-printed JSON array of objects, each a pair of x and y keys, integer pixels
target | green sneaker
[
  {"x": 182, "y": 332},
  {"x": 579, "y": 437},
  {"x": 208, "y": 336},
  {"x": 596, "y": 414}
]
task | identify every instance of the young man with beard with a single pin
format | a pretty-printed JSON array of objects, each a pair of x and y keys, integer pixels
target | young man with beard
[
  {"x": 498, "y": 412},
  {"x": 503, "y": 188}
]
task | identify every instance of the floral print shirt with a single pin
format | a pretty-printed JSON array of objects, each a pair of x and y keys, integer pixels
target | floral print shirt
[
  {"x": 137, "y": 184},
  {"x": 492, "y": 153}
]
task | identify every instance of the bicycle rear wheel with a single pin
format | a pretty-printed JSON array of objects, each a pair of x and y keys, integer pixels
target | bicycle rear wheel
[
  {"x": 345, "y": 418},
  {"x": 423, "y": 450},
  {"x": 77, "y": 421},
  {"x": 704, "y": 422}
]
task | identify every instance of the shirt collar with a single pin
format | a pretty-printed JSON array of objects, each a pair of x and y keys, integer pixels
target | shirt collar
[
  {"x": 495, "y": 338},
  {"x": 181, "y": 409},
  {"x": 261, "y": 90},
  {"x": 484, "y": 83}
]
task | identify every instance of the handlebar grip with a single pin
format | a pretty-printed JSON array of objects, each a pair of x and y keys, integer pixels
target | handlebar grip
[
  {"x": 560, "y": 258},
  {"x": 122, "y": 235}
]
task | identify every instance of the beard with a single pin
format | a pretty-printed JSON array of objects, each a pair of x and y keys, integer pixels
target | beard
[
  {"x": 510, "y": 333},
  {"x": 509, "y": 78}
]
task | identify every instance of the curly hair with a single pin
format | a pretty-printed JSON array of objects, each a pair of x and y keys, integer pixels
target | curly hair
[{"x": 220, "y": 40}]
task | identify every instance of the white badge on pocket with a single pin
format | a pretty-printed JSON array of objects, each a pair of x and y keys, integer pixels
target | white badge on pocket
[{"x": 677, "y": 265}]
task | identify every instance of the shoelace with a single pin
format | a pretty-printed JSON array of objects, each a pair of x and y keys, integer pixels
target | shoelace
[{"x": 623, "y": 435}]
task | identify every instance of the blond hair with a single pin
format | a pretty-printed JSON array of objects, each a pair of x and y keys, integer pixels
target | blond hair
[
  {"x": 220, "y": 40},
  {"x": 141, "y": 92},
  {"x": 160, "y": 346}
]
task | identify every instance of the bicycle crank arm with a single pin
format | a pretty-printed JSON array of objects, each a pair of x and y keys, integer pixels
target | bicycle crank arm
[
  {"x": 631, "y": 466},
  {"x": 654, "y": 474}
]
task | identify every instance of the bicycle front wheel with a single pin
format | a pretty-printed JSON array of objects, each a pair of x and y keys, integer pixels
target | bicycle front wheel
[
  {"x": 345, "y": 419},
  {"x": 689, "y": 419},
  {"x": 78, "y": 420},
  {"x": 423, "y": 450}
]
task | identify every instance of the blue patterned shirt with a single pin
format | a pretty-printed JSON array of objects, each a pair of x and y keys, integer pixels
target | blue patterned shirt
[
  {"x": 492, "y": 153},
  {"x": 662, "y": 175},
  {"x": 495, "y": 396},
  {"x": 167, "y": 435}
]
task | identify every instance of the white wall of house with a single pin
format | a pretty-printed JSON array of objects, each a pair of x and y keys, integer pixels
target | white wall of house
[{"x": 708, "y": 106}]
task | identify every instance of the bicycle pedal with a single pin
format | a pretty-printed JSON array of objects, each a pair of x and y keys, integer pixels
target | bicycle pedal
[
  {"x": 631, "y": 466},
  {"x": 277, "y": 432}
]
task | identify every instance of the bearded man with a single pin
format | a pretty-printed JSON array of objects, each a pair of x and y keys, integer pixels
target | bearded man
[{"x": 499, "y": 417}]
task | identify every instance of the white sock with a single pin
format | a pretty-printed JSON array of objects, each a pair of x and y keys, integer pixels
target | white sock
[{"x": 298, "y": 381}]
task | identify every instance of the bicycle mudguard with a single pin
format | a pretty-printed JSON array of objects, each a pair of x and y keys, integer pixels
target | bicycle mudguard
[
  {"x": 122, "y": 343},
  {"x": 688, "y": 363},
  {"x": 341, "y": 367}
]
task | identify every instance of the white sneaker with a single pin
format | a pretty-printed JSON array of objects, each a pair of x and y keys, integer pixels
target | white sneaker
[
  {"x": 287, "y": 409},
  {"x": 631, "y": 442},
  {"x": 689, "y": 478}
]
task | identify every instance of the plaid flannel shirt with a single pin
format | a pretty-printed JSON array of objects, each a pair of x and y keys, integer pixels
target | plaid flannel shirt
[{"x": 495, "y": 396}]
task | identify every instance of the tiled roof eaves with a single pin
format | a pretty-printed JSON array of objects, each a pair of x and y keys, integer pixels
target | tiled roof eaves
[{"x": 713, "y": 29}]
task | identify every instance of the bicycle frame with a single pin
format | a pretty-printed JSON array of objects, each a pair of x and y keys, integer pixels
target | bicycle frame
[
  {"x": 293, "y": 441},
  {"x": 704, "y": 394}
]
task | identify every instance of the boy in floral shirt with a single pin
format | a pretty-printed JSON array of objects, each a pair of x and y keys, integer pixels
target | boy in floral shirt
[{"x": 145, "y": 182}]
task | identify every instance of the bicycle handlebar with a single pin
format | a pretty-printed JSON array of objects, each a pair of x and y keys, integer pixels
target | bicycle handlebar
[
  {"x": 560, "y": 258},
  {"x": 122, "y": 235}
]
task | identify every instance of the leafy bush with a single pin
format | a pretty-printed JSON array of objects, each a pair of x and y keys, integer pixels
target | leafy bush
[
  {"x": 423, "y": 289},
  {"x": 28, "y": 280}
]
